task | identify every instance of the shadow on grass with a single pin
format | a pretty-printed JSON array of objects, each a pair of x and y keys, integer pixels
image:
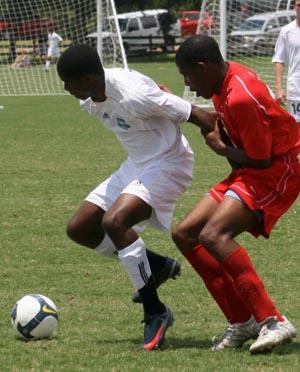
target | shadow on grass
[
  {"x": 175, "y": 343},
  {"x": 171, "y": 343}
]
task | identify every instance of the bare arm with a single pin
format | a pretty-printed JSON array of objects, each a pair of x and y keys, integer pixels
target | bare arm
[
  {"x": 203, "y": 119},
  {"x": 237, "y": 156},
  {"x": 207, "y": 122},
  {"x": 280, "y": 92}
]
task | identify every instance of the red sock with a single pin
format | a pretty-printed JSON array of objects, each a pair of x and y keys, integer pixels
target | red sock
[
  {"x": 249, "y": 285},
  {"x": 219, "y": 284}
]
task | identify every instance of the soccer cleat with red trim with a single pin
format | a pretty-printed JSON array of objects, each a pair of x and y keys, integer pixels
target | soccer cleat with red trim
[
  {"x": 171, "y": 270},
  {"x": 155, "y": 329}
]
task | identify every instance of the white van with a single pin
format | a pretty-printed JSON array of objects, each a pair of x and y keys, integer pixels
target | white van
[{"x": 142, "y": 31}]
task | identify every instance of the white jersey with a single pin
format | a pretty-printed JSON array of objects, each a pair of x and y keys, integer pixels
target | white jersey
[
  {"x": 54, "y": 40},
  {"x": 287, "y": 51},
  {"x": 143, "y": 117}
]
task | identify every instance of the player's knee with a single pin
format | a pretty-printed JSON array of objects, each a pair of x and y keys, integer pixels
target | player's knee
[
  {"x": 213, "y": 239},
  {"x": 72, "y": 229},
  {"x": 179, "y": 235},
  {"x": 112, "y": 223}
]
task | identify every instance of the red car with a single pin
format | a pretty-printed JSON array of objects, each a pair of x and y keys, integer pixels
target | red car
[
  {"x": 3, "y": 25},
  {"x": 32, "y": 28},
  {"x": 189, "y": 20},
  {"x": 28, "y": 29}
]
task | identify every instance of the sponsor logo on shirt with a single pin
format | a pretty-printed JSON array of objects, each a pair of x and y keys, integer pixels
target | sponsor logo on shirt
[{"x": 122, "y": 123}]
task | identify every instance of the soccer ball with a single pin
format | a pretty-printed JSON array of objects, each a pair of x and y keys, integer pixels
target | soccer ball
[{"x": 34, "y": 316}]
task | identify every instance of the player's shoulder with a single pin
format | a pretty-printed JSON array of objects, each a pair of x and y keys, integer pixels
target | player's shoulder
[
  {"x": 242, "y": 75},
  {"x": 121, "y": 74},
  {"x": 289, "y": 27},
  {"x": 129, "y": 81},
  {"x": 245, "y": 86}
]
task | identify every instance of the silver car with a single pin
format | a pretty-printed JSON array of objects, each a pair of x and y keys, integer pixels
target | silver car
[{"x": 258, "y": 34}]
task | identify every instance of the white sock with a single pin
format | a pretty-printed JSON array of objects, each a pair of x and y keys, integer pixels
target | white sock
[
  {"x": 135, "y": 260},
  {"x": 47, "y": 65},
  {"x": 107, "y": 248}
]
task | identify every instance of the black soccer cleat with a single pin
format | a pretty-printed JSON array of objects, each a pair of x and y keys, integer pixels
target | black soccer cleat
[
  {"x": 171, "y": 270},
  {"x": 155, "y": 329}
]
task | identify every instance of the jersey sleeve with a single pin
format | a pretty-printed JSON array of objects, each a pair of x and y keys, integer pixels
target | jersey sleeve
[
  {"x": 280, "y": 49},
  {"x": 86, "y": 105},
  {"x": 149, "y": 100},
  {"x": 253, "y": 127}
]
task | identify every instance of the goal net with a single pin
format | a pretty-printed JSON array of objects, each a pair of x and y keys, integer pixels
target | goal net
[
  {"x": 246, "y": 31},
  {"x": 24, "y": 29}
]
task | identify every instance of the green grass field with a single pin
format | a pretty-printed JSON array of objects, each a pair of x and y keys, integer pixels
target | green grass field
[{"x": 52, "y": 155}]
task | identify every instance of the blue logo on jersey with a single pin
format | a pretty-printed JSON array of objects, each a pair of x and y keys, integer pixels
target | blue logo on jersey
[
  {"x": 106, "y": 116},
  {"x": 122, "y": 123}
]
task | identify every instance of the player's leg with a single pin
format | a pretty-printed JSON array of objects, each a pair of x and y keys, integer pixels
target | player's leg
[
  {"x": 217, "y": 281},
  {"x": 126, "y": 212},
  {"x": 160, "y": 186},
  {"x": 48, "y": 59},
  {"x": 85, "y": 228},
  {"x": 48, "y": 63},
  {"x": 232, "y": 217}
]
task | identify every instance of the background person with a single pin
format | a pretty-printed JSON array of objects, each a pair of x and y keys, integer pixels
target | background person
[
  {"x": 287, "y": 52},
  {"x": 22, "y": 60},
  {"x": 53, "y": 52}
]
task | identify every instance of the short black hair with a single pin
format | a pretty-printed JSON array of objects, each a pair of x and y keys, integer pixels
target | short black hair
[
  {"x": 198, "y": 48},
  {"x": 79, "y": 60}
]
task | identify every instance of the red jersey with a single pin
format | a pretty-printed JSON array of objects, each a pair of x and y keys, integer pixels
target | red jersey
[{"x": 253, "y": 119}]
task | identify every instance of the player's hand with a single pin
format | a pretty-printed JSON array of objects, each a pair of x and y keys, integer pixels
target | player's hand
[
  {"x": 281, "y": 97},
  {"x": 165, "y": 88},
  {"x": 214, "y": 141}
]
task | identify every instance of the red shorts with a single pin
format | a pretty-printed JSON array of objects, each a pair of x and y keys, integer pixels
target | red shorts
[{"x": 272, "y": 190}]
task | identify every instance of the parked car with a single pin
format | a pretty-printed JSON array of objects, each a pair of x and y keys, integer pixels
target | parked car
[
  {"x": 33, "y": 28},
  {"x": 142, "y": 30},
  {"x": 190, "y": 19},
  {"x": 3, "y": 25},
  {"x": 29, "y": 29},
  {"x": 258, "y": 34}
]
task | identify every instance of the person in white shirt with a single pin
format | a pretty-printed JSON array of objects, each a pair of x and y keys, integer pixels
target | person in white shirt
[
  {"x": 53, "y": 52},
  {"x": 287, "y": 52},
  {"x": 146, "y": 120}
]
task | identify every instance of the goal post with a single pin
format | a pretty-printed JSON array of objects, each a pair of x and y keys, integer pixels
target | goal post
[
  {"x": 24, "y": 28},
  {"x": 246, "y": 31}
]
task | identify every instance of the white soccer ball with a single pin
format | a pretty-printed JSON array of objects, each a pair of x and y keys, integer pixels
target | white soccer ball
[{"x": 34, "y": 316}]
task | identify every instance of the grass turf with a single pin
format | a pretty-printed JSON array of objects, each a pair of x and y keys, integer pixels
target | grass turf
[{"x": 52, "y": 155}]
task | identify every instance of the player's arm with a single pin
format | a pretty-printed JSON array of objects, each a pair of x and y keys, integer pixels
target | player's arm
[
  {"x": 279, "y": 58},
  {"x": 203, "y": 119},
  {"x": 207, "y": 122},
  {"x": 235, "y": 156},
  {"x": 280, "y": 92}
]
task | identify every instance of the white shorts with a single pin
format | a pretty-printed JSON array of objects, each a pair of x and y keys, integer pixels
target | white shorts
[
  {"x": 53, "y": 52},
  {"x": 294, "y": 109},
  {"x": 159, "y": 185}
]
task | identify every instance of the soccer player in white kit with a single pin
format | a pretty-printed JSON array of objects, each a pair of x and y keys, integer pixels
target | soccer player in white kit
[
  {"x": 287, "y": 51},
  {"x": 159, "y": 167},
  {"x": 53, "y": 52}
]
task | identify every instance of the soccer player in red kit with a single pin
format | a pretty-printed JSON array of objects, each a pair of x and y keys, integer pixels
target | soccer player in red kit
[{"x": 263, "y": 184}]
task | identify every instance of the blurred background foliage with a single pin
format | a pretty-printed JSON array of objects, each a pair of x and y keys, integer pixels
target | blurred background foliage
[{"x": 130, "y": 5}]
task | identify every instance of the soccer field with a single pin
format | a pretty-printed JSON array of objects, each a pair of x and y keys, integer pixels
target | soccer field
[{"x": 52, "y": 155}]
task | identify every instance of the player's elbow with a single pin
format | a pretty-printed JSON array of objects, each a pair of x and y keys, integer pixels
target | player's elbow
[{"x": 261, "y": 164}]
